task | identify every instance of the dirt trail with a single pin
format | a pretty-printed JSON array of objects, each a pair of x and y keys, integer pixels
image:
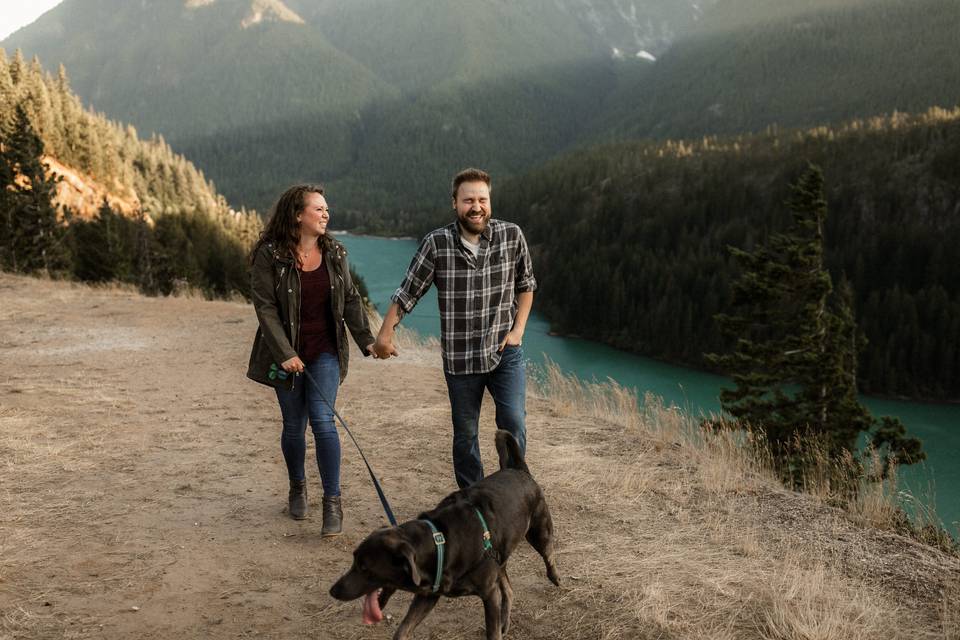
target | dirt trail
[
  {"x": 142, "y": 493},
  {"x": 142, "y": 469}
]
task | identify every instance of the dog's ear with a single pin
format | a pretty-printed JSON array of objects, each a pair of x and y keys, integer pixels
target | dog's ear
[{"x": 406, "y": 550}]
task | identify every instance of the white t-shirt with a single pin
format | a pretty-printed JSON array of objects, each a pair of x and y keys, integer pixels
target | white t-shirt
[{"x": 472, "y": 248}]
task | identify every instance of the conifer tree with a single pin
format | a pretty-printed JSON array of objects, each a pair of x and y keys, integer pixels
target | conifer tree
[
  {"x": 7, "y": 95},
  {"x": 92, "y": 255},
  {"x": 797, "y": 346},
  {"x": 33, "y": 238}
]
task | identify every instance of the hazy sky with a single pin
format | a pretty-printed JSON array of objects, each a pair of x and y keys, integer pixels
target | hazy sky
[{"x": 19, "y": 13}]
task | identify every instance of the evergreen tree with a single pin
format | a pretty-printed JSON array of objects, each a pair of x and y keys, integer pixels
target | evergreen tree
[
  {"x": 105, "y": 247},
  {"x": 33, "y": 238},
  {"x": 7, "y": 95},
  {"x": 795, "y": 359},
  {"x": 91, "y": 253}
]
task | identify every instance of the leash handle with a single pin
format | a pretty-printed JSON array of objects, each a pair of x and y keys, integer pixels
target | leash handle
[{"x": 376, "y": 484}]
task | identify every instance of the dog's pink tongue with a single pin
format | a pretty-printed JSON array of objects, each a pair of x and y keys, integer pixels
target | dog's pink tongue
[{"x": 371, "y": 608}]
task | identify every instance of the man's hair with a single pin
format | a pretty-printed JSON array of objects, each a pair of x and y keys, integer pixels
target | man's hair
[{"x": 469, "y": 175}]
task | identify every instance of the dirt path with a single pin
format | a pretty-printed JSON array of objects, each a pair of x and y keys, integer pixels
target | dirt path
[
  {"x": 142, "y": 494},
  {"x": 141, "y": 469}
]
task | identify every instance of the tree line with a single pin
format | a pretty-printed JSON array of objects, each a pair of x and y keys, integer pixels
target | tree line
[
  {"x": 631, "y": 240},
  {"x": 181, "y": 233}
]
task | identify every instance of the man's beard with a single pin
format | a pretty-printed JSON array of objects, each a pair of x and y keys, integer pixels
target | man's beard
[{"x": 474, "y": 227}]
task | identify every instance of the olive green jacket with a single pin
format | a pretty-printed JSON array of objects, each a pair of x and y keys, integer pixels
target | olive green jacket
[{"x": 275, "y": 288}]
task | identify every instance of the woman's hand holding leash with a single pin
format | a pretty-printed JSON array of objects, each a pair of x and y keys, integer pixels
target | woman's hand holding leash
[{"x": 293, "y": 365}]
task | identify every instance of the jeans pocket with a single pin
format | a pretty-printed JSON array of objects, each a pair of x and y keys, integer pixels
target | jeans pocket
[{"x": 511, "y": 351}]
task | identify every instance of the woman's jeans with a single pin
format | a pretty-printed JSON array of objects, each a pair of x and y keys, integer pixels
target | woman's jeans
[
  {"x": 508, "y": 386},
  {"x": 305, "y": 403}
]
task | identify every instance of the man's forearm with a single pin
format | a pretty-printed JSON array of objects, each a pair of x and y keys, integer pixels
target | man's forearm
[
  {"x": 524, "y": 304},
  {"x": 390, "y": 321}
]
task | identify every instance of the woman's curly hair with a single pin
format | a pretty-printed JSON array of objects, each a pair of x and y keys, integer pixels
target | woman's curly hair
[{"x": 282, "y": 229}]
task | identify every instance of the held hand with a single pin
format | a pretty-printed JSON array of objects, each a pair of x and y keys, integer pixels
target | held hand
[
  {"x": 371, "y": 350},
  {"x": 293, "y": 365},
  {"x": 512, "y": 339},
  {"x": 384, "y": 348}
]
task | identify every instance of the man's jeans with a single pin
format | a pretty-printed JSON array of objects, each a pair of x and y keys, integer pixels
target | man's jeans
[
  {"x": 302, "y": 403},
  {"x": 508, "y": 385}
]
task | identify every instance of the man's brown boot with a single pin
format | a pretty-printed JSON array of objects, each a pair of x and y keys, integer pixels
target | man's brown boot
[
  {"x": 332, "y": 516},
  {"x": 298, "y": 499}
]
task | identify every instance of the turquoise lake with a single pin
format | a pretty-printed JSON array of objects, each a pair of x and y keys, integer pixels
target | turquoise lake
[{"x": 383, "y": 261}]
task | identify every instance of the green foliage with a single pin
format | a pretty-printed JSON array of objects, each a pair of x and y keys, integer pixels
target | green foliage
[
  {"x": 33, "y": 237},
  {"x": 105, "y": 248},
  {"x": 794, "y": 362},
  {"x": 383, "y": 100},
  {"x": 183, "y": 234},
  {"x": 630, "y": 240},
  {"x": 361, "y": 285}
]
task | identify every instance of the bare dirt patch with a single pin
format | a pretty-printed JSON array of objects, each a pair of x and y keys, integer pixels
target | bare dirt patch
[{"x": 142, "y": 494}]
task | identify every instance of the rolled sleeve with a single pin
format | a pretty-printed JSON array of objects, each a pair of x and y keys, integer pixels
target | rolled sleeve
[
  {"x": 524, "y": 280},
  {"x": 418, "y": 279}
]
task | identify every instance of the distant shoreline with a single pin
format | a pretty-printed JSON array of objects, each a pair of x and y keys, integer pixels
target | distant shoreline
[{"x": 370, "y": 235}]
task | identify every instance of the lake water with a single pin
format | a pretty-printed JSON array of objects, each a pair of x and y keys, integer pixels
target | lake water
[{"x": 383, "y": 261}]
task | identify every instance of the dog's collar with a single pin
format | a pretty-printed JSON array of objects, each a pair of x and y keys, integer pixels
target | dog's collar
[{"x": 439, "y": 541}]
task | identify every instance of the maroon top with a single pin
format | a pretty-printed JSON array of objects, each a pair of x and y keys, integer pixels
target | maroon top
[{"x": 317, "y": 332}]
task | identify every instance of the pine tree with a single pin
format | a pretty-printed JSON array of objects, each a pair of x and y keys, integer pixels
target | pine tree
[
  {"x": 8, "y": 96},
  {"x": 797, "y": 346},
  {"x": 92, "y": 255},
  {"x": 33, "y": 238}
]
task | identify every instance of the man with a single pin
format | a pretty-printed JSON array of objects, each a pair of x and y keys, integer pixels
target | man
[{"x": 485, "y": 281}]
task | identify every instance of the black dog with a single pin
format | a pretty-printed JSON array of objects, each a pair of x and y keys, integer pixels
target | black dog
[{"x": 474, "y": 531}]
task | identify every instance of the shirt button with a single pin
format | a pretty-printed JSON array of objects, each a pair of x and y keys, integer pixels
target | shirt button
[{"x": 289, "y": 290}]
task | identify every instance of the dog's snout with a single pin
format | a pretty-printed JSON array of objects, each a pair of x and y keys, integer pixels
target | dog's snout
[{"x": 350, "y": 586}]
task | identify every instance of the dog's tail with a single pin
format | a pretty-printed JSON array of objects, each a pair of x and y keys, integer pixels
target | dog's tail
[{"x": 508, "y": 449}]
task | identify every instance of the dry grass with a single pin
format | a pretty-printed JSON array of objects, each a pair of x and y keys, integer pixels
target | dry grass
[
  {"x": 160, "y": 486},
  {"x": 679, "y": 534},
  {"x": 409, "y": 343}
]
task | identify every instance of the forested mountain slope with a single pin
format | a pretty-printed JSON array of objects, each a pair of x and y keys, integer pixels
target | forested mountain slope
[
  {"x": 630, "y": 239},
  {"x": 377, "y": 99},
  {"x": 129, "y": 209},
  {"x": 754, "y": 63}
]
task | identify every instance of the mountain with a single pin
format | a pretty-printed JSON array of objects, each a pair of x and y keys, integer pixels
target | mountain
[
  {"x": 127, "y": 209},
  {"x": 749, "y": 64},
  {"x": 382, "y": 99},
  {"x": 183, "y": 68},
  {"x": 631, "y": 240}
]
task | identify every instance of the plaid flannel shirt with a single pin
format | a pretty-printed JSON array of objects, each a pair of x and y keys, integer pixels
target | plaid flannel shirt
[{"x": 477, "y": 296}]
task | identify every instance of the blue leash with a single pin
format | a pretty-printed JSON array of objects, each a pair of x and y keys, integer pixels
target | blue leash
[{"x": 376, "y": 484}]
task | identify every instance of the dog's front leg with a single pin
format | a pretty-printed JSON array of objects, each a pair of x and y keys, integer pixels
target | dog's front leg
[
  {"x": 506, "y": 602},
  {"x": 419, "y": 608},
  {"x": 491, "y": 612}
]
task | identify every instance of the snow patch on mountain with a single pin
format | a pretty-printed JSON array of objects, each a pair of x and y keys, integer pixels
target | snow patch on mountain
[
  {"x": 269, "y": 11},
  {"x": 635, "y": 25}
]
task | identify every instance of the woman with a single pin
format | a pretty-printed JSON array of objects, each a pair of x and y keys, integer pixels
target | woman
[{"x": 303, "y": 295}]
